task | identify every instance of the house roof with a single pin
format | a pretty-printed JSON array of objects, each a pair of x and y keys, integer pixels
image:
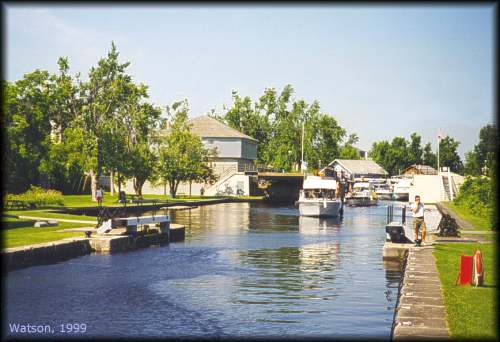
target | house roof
[
  {"x": 207, "y": 127},
  {"x": 422, "y": 169},
  {"x": 360, "y": 166}
]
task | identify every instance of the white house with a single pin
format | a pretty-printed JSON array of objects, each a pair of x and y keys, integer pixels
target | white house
[
  {"x": 354, "y": 169},
  {"x": 234, "y": 163}
]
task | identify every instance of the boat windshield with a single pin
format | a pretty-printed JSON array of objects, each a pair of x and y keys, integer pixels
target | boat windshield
[{"x": 319, "y": 193}]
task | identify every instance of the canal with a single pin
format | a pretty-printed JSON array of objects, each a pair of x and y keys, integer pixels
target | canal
[{"x": 244, "y": 270}]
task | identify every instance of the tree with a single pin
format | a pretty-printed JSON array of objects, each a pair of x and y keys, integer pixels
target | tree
[
  {"x": 448, "y": 155},
  {"x": 276, "y": 121},
  {"x": 429, "y": 158},
  {"x": 182, "y": 156},
  {"x": 27, "y": 128},
  {"x": 481, "y": 159},
  {"x": 348, "y": 151},
  {"x": 102, "y": 96},
  {"x": 415, "y": 151}
]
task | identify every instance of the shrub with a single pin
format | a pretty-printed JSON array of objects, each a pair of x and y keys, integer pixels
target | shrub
[
  {"x": 477, "y": 196},
  {"x": 37, "y": 196}
]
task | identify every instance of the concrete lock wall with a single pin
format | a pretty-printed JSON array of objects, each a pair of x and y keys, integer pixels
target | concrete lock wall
[{"x": 427, "y": 186}]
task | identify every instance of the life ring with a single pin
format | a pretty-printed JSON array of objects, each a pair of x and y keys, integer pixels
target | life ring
[{"x": 478, "y": 268}]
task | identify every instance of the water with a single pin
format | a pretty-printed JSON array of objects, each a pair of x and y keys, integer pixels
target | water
[{"x": 243, "y": 270}]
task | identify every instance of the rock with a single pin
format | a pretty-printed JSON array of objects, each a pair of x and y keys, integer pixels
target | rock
[
  {"x": 39, "y": 224},
  {"x": 53, "y": 222}
]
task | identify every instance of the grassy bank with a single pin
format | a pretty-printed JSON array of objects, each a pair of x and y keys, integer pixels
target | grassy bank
[
  {"x": 471, "y": 312},
  {"x": 20, "y": 232},
  {"x": 479, "y": 222}
]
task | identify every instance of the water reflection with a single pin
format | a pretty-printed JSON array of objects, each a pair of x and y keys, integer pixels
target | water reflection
[{"x": 243, "y": 270}]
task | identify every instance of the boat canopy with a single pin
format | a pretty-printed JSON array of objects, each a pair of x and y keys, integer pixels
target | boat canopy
[{"x": 315, "y": 182}]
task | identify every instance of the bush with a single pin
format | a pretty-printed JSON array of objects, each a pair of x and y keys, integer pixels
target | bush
[
  {"x": 37, "y": 196},
  {"x": 477, "y": 196}
]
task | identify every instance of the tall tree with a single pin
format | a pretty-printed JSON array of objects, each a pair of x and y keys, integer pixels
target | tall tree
[
  {"x": 182, "y": 155},
  {"x": 481, "y": 159},
  {"x": 415, "y": 151},
  {"x": 448, "y": 154},
  {"x": 429, "y": 157}
]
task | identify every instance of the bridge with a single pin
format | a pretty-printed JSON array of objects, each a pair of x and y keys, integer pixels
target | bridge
[{"x": 280, "y": 186}]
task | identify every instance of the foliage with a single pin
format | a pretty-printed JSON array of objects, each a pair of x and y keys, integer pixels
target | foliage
[
  {"x": 38, "y": 196},
  {"x": 471, "y": 312},
  {"x": 397, "y": 155},
  {"x": 182, "y": 155},
  {"x": 481, "y": 160},
  {"x": 448, "y": 154},
  {"x": 277, "y": 121},
  {"x": 477, "y": 196}
]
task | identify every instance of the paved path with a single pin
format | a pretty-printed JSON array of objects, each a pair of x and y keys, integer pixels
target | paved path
[
  {"x": 55, "y": 219},
  {"x": 420, "y": 312}
]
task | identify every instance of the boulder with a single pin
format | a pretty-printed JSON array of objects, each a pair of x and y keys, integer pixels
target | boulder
[{"x": 39, "y": 224}]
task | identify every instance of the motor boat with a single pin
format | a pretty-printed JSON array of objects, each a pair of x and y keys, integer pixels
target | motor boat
[
  {"x": 383, "y": 191},
  {"x": 363, "y": 194},
  {"x": 318, "y": 197},
  {"x": 402, "y": 190}
]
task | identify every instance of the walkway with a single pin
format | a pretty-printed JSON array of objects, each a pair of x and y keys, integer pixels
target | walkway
[
  {"x": 420, "y": 312},
  {"x": 36, "y": 218}
]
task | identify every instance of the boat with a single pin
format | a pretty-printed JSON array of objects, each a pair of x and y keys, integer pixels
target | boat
[
  {"x": 402, "y": 190},
  {"x": 362, "y": 194},
  {"x": 383, "y": 191},
  {"x": 318, "y": 198}
]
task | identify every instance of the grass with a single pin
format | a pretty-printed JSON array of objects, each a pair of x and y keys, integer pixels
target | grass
[
  {"x": 48, "y": 214},
  {"x": 470, "y": 312},
  {"x": 480, "y": 223},
  {"x": 19, "y": 232}
]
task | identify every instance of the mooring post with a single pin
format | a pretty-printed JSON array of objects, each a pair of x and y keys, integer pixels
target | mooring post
[{"x": 403, "y": 215}]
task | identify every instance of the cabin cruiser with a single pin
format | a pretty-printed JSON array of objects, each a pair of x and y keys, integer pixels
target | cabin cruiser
[
  {"x": 402, "y": 190},
  {"x": 363, "y": 194},
  {"x": 383, "y": 191},
  {"x": 318, "y": 197}
]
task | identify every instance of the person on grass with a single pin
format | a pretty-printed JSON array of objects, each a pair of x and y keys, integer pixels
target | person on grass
[{"x": 417, "y": 209}]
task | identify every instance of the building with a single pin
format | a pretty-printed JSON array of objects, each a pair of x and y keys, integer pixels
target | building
[
  {"x": 419, "y": 170},
  {"x": 234, "y": 163},
  {"x": 355, "y": 169}
]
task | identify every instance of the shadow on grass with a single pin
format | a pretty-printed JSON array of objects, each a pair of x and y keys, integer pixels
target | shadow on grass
[{"x": 17, "y": 224}]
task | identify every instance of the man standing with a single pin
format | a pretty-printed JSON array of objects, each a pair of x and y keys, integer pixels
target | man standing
[
  {"x": 99, "y": 196},
  {"x": 417, "y": 210}
]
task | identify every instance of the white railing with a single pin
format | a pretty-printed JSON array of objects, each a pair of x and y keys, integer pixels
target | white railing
[
  {"x": 450, "y": 185},
  {"x": 227, "y": 173}
]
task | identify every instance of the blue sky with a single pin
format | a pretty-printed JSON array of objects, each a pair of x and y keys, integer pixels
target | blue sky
[{"x": 381, "y": 71}]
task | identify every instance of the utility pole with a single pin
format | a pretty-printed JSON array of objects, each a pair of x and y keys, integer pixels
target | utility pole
[{"x": 302, "y": 149}]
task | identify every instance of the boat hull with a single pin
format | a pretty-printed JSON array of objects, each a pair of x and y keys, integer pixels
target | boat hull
[
  {"x": 361, "y": 201},
  {"x": 384, "y": 195},
  {"x": 401, "y": 196},
  {"x": 320, "y": 208}
]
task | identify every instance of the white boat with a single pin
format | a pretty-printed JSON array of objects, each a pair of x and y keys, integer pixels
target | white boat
[
  {"x": 318, "y": 197},
  {"x": 362, "y": 194},
  {"x": 402, "y": 190},
  {"x": 383, "y": 191}
]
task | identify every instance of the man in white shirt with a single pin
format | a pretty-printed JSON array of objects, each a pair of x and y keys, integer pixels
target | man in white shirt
[{"x": 417, "y": 210}]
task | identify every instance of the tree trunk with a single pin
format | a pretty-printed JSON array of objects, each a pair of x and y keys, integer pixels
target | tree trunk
[
  {"x": 111, "y": 184},
  {"x": 190, "y": 181},
  {"x": 138, "y": 183},
  {"x": 171, "y": 185},
  {"x": 93, "y": 185}
]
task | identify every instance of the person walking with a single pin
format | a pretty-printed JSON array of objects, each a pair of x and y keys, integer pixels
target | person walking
[
  {"x": 99, "y": 196},
  {"x": 417, "y": 209}
]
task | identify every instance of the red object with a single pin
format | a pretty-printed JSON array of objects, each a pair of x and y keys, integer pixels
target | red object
[
  {"x": 478, "y": 268},
  {"x": 465, "y": 276}
]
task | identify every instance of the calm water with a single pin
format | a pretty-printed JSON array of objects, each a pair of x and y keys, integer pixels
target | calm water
[{"x": 243, "y": 270}]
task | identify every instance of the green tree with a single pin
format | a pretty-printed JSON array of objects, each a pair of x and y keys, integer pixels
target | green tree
[
  {"x": 348, "y": 151},
  {"x": 182, "y": 155},
  {"x": 415, "y": 151},
  {"x": 448, "y": 154},
  {"x": 27, "y": 128},
  {"x": 428, "y": 157},
  {"x": 482, "y": 158}
]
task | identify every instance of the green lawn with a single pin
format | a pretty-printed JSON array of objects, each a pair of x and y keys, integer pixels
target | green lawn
[
  {"x": 48, "y": 214},
  {"x": 480, "y": 223},
  {"x": 18, "y": 232},
  {"x": 471, "y": 312}
]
